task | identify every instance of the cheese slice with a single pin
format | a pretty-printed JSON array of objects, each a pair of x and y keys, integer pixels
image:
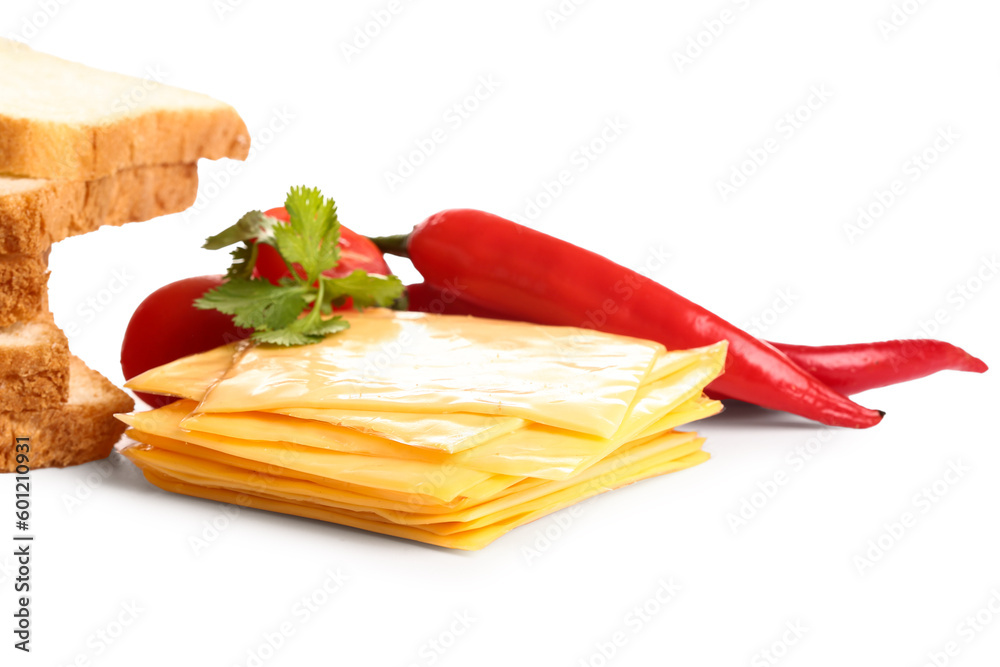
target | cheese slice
[
  {"x": 188, "y": 377},
  {"x": 449, "y": 433},
  {"x": 351, "y": 493},
  {"x": 184, "y": 461},
  {"x": 576, "y": 379},
  {"x": 478, "y": 534},
  {"x": 447, "y": 430},
  {"x": 551, "y": 453},
  {"x": 699, "y": 407},
  {"x": 520, "y": 458},
  {"x": 458, "y": 432},
  {"x": 306, "y": 432},
  {"x": 532, "y": 451},
  {"x": 408, "y": 477},
  {"x": 604, "y": 476},
  {"x": 208, "y": 473}
]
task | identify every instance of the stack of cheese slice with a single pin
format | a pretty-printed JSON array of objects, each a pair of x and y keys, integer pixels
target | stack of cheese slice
[{"x": 443, "y": 429}]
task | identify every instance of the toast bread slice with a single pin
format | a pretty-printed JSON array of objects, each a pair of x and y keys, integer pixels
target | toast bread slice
[
  {"x": 35, "y": 213},
  {"x": 23, "y": 286},
  {"x": 34, "y": 365},
  {"x": 82, "y": 429},
  {"x": 63, "y": 120}
]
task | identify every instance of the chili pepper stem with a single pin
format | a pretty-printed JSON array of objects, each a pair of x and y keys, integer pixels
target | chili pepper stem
[{"x": 396, "y": 244}]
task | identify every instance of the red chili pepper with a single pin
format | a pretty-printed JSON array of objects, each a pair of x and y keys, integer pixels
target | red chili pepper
[
  {"x": 849, "y": 369},
  {"x": 427, "y": 298},
  {"x": 504, "y": 266}
]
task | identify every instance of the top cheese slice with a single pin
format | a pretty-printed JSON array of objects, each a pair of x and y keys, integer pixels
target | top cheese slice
[
  {"x": 190, "y": 378},
  {"x": 576, "y": 379}
]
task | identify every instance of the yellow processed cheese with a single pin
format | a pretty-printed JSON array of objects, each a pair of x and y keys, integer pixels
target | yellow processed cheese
[
  {"x": 468, "y": 540},
  {"x": 699, "y": 407},
  {"x": 188, "y": 377},
  {"x": 382, "y": 473},
  {"x": 576, "y": 379},
  {"x": 459, "y": 432},
  {"x": 181, "y": 478},
  {"x": 453, "y": 432},
  {"x": 534, "y": 450},
  {"x": 543, "y": 451},
  {"x": 306, "y": 432},
  {"x": 448, "y": 433},
  {"x": 350, "y": 493},
  {"x": 601, "y": 477},
  {"x": 447, "y": 430}
]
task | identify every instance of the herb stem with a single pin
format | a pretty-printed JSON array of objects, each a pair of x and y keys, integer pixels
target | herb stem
[{"x": 316, "y": 312}]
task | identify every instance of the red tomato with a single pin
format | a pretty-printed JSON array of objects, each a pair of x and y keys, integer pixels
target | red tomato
[
  {"x": 356, "y": 252},
  {"x": 166, "y": 326}
]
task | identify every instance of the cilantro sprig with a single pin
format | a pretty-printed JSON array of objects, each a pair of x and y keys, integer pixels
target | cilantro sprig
[{"x": 299, "y": 309}]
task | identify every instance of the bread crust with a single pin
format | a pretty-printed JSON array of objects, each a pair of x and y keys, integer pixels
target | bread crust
[
  {"x": 35, "y": 376},
  {"x": 51, "y": 150},
  {"x": 73, "y": 159},
  {"x": 82, "y": 430},
  {"x": 34, "y": 214},
  {"x": 23, "y": 283}
]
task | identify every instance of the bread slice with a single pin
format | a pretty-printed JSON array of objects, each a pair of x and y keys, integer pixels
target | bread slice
[
  {"x": 34, "y": 365},
  {"x": 81, "y": 430},
  {"x": 64, "y": 120},
  {"x": 23, "y": 282},
  {"x": 35, "y": 213}
]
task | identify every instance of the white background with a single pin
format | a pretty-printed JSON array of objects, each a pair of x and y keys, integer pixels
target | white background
[{"x": 555, "y": 591}]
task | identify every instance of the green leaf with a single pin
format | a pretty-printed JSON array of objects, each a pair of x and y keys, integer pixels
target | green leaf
[
  {"x": 244, "y": 258},
  {"x": 256, "y": 303},
  {"x": 365, "y": 289},
  {"x": 330, "y": 326},
  {"x": 312, "y": 236},
  {"x": 252, "y": 225},
  {"x": 303, "y": 331},
  {"x": 285, "y": 337},
  {"x": 298, "y": 310}
]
